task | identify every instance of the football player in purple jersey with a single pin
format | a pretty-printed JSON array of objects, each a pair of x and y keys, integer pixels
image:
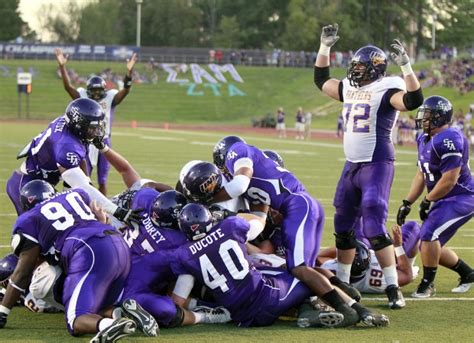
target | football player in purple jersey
[
  {"x": 60, "y": 152},
  {"x": 265, "y": 184},
  {"x": 443, "y": 162},
  {"x": 216, "y": 255},
  {"x": 107, "y": 99},
  {"x": 63, "y": 229},
  {"x": 371, "y": 103}
]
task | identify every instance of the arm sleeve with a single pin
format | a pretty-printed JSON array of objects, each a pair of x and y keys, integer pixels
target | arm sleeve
[
  {"x": 76, "y": 178},
  {"x": 321, "y": 75},
  {"x": 413, "y": 100},
  {"x": 341, "y": 94}
]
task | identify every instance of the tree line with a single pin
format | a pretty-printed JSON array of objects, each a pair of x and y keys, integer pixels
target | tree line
[{"x": 249, "y": 24}]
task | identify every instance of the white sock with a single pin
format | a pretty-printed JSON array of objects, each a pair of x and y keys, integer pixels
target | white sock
[
  {"x": 391, "y": 276},
  {"x": 344, "y": 271},
  {"x": 198, "y": 317},
  {"x": 105, "y": 323}
]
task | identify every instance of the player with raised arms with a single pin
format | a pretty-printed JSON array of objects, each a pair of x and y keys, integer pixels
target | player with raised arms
[{"x": 371, "y": 103}]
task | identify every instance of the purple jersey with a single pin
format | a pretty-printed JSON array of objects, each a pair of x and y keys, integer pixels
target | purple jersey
[
  {"x": 220, "y": 261},
  {"x": 52, "y": 221},
  {"x": 55, "y": 146},
  {"x": 446, "y": 150},
  {"x": 280, "y": 117},
  {"x": 299, "y": 117},
  {"x": 270, "y": 184},
  {"x": 145, "y": 238}
]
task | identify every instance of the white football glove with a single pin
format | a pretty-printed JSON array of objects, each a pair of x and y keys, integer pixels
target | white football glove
[
  {"x": 329, "y": 35},
  {"x": 399, "y": 55}
]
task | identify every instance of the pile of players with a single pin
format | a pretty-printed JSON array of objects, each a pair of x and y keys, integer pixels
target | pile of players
[{"x": 237, "y": 239}]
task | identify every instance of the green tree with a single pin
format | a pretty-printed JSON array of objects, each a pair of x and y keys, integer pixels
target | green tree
[
  {"x": 457, "y": 19},
  {"x": 99, "y": 23},
  {"x": 228, "y": 33},
  {"x": 64, "y": 24},
  {"x": 172, "y": 23},
  {"x": 301, "y": 26},
  {"x": 11, "y": 23},
  {"x": 261, "y": 23}
]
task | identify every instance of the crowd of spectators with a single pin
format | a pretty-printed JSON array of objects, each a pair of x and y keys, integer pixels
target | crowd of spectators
[
  {"x": 453, "y": 74},
  {"x": 405, "y": 131}
]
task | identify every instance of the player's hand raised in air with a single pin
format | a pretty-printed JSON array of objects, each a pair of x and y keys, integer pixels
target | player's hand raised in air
[
  {"x": 131, "y": 62},
  {"x": 60, "y": 57},
  {"x": 399, "y": 54},
  {"x": 329, "y": 35}
]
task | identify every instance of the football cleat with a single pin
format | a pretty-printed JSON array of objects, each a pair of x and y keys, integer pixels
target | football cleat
[
  {"x": 395, "y": 297},
  {"x": 351, "y": 317},
  {"x": 464, "y": 284},
  {"x": 424, "y": 290},
  {"x": 211, "y": 315},
  {"x": 370, "y": 318},
  {"x": 145, "y": 321},
  {"x": 325, "y": 319},
  {"x": 118, "y": 329}
]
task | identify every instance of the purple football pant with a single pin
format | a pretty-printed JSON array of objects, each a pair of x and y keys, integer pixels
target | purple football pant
[
  {"x": 283, "y": 292},
  {"x": 302, "y": 229},
  {"x": 363, "y": 190},
  {"x": 14, "y": 185},
  {"x": 96, "y": 271},
  {"x": 147, "y": 277},
  {"x": 103, "y": 166},
  {"x": 446, "y": 217}
]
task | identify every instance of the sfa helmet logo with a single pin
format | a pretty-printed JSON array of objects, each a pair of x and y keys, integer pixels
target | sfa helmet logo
[{"x": 75, "y": 113}]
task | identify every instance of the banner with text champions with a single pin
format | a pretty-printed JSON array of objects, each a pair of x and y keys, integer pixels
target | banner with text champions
[{"x": 82, "y": 51}]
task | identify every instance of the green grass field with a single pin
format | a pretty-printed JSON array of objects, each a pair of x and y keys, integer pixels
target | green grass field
[
  {"x": 266, "y": 88},
  {"x": 159, "y": 154}
]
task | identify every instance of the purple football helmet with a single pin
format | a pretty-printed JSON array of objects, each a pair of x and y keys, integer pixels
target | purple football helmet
[
  {"x": 202, "y": 182},
  {"x": 7, "y": 266},
  {"x": 221, "y": 148},
  {"x": 368, "y": 64},
  {"x": 96, "y": 88},
  {"x": 436, "y": 111},
  {"x": 195, "y": 220},
  {"x": 166, "y": 208},
  {"x": 34, "y": 192},
  {"x": 85, "y": 119},
  {"x": 273, "y": 155}
]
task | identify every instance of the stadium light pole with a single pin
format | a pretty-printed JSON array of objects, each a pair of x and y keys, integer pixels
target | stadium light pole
[
  {"x": 139, "y": 20},
  {"x": 433, "y": 31}
]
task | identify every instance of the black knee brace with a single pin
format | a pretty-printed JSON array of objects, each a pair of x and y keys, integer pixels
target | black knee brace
[
  {"x": 178, "y": 319},
  {"x": 381, "y": 241},
  {"x": 346, "y": 240}
]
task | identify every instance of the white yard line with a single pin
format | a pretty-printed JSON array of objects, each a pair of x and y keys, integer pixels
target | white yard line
[{"x": 421, "y": 299}]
